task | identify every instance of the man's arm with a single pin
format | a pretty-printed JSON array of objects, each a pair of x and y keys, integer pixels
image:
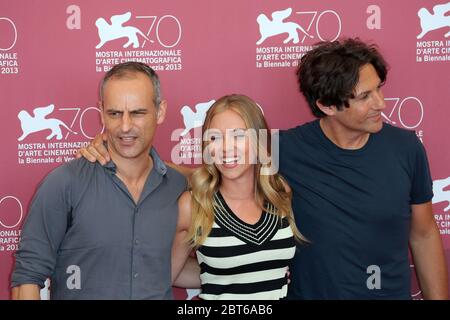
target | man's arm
[
  {"x": 26, "y": 292},
  {"x": 42, "y": 235},
  {"x": 428, "y": 253}
]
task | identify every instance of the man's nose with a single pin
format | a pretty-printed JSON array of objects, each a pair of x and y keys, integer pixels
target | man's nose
[
  {"x": 126, "y": 122},
  {"x": 379, "y": 100}
]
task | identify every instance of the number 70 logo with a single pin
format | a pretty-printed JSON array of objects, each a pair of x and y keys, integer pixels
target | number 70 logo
[
  {"x": 318, "y": 24},
  {"x": 407, "y": 112}
]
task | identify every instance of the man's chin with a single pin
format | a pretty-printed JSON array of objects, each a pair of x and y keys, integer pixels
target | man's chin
[
  {"x": 127, "y": 153},
  {"x": 376, "y": 127}
]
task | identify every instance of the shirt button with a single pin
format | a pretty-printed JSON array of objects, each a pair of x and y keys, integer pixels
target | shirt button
[
  {"x": 135, "y": 275},
  {"x": 136, "y": 242}
]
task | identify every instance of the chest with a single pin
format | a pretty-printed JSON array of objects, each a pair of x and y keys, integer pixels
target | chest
[
  {"x": 225, "y": 248},
  {"x": 359, "y": 189},
  {"x": 110, "y": 217}
]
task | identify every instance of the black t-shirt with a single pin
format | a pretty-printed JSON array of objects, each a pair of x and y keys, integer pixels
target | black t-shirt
[{"x": 355, "y": 208}]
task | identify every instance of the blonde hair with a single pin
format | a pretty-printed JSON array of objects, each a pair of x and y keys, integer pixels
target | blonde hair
[{"x": 205, "y": 181}]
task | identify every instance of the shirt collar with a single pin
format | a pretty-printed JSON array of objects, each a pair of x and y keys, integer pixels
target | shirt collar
[{"x": 158, "y": 164}]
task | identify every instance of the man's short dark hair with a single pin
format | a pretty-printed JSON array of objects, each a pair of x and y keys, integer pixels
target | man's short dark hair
[
  {"x": 127, "y": 69},
  {"x": 329, "y": 72}
]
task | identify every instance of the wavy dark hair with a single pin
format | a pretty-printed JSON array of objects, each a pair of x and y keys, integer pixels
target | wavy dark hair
[{"x": 329, "y": 72}]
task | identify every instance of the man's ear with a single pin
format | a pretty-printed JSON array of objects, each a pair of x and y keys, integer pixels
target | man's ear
[
  {"x": 100, "y": 106},
  {"x": 161, "y": 113},
  {"x": 328, "y": 110}
]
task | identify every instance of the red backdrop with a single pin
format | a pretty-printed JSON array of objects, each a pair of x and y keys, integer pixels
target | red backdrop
[{"x": 53, "y": 53}]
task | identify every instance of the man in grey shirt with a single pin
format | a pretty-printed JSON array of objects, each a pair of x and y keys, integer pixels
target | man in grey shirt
[{"x": 106, "y": 232}]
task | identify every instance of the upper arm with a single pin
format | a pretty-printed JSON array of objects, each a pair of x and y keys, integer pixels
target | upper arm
[
  {"x": 26, "y": 292},
  {"x": 43, "y": 231},
  {"x": 422, "y": 184},
  {"x": 184, "y": 212},
  {"x": 181, "y": 247},
  {"x": 422, "y": 220}
]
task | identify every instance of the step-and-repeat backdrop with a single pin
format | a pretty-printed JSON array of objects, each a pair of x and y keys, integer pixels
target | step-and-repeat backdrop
[{"x": 53, "y": 53}]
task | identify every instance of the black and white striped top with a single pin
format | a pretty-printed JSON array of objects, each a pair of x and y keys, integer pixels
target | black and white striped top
[{"x": 244, "y": 261}]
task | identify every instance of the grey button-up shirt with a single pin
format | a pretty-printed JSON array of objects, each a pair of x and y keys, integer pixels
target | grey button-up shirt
[{"x": 87, "y": 234}]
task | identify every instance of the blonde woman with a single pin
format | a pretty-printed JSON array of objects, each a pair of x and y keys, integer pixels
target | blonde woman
[{"x": 238, "y": 218}]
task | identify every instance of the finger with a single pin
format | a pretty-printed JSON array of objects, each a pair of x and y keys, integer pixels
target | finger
[
  {"x": 84, "y": 153},
  {"x": 104, "y": 138},
  {"x": 101, "y": 150},
  {"x": 98, "y": 139},
  {"x": 92, "y": 150},
  {"x": 78, "y": 155},
  {"x": 100, "y": 147}
]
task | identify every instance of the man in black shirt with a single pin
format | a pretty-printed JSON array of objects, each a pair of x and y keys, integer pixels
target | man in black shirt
[{"x": 362, "y": 189}]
